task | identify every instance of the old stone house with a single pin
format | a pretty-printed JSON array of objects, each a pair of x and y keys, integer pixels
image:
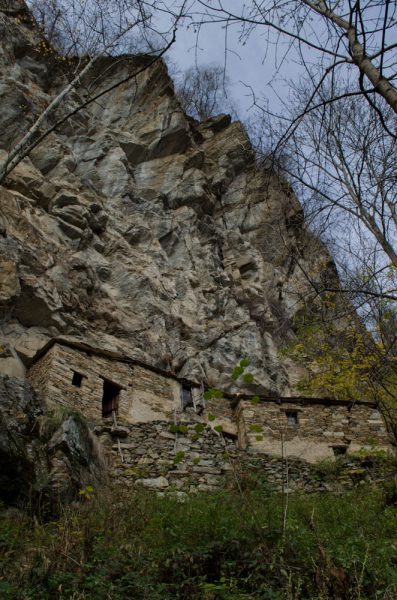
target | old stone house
[{"x": 113, "y": 391}]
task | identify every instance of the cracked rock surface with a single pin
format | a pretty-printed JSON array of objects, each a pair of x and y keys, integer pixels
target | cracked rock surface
[
  {"x": 138, "y": 230},
  {"x": 41, "y": 458}
]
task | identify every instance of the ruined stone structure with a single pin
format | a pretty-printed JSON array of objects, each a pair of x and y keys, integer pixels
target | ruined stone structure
[{"x": 151, "y": 418}]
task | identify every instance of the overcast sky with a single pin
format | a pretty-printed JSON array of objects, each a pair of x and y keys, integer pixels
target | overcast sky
[{"x": 253, "y": 64}]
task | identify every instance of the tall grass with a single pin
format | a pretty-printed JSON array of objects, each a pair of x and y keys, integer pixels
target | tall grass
[{"x": 119, "y": 544}]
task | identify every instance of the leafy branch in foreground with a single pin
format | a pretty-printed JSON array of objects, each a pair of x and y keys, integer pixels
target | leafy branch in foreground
[{"x": 345, "y": 362}]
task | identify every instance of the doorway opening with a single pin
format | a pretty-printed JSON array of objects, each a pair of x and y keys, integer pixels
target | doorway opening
[{"x": 110, "y": 398}]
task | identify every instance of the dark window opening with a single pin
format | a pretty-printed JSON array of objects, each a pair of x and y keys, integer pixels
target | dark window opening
[
  {"x": 247, "y": 268},
  {"x": 230, "y": 435},
  {"x": 110, "y": 398},
  {"x": 186, "y": 396},
  {"x": 77, "y": 379},
  {"x": 292, "y": 417},
  {"x": 339, "y": 450}
]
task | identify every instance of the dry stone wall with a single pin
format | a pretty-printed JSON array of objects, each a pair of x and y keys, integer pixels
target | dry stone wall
[
  {"x": 144, "y": 395},
  {"x": 194, "y": 459},
  {"x": 309, "y": 429},
  {"x": 151, "y": 454}
]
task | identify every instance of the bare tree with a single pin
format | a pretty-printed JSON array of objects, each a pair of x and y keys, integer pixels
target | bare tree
[
  {"x": 336, "y": 142},
  {"x": 343, "y": 162},
  {"x": 338, "y": 35},
  {"x": 87, "y": 31},
  {"x": 203, "y": 91},
  {"x": 336, "y": 138}
]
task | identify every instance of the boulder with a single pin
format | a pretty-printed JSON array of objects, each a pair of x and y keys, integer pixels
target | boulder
[
  {"x": 19, "y": 410},
  {"x": 75, "y": 460},
  {"x": 34, "y": 469}
]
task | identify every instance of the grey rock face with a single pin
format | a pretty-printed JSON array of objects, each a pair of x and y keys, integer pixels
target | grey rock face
[
  {"x": 19, "y": 409},
  {"x": 75, "y": 459},
  {"x": 33, "y": 468},
  {"x": 139, "y": 230}
]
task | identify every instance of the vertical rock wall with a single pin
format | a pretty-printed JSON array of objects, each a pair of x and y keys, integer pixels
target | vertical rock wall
[{"x": 136, "y": 229}]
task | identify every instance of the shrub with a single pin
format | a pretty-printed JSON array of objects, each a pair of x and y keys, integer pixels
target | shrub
[{"x": 226, "y": 545}]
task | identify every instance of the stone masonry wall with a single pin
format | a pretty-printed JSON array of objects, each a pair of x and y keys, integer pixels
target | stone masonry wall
[
  {"x": 41, "y": 374},
  {"x": 152, "y": 455},
  {"x": 195, "y": 459},
  {"x": 320, "y": 427},
  {"x": 144, "y": 395}
]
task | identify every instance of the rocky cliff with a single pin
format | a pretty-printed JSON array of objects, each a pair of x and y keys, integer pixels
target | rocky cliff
[
  {"x": 44, "y": 459},
  {"x": 138, "y": 230}
]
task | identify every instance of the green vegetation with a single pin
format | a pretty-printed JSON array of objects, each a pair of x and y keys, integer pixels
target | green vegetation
[
  {"x": 53, "y": 419},
  {"x": 354, "y": 466},
  {"x": 122, "y": 544},
  {"x": 174, "y": 428},
  {"x": 179, "y": 456},
  {"x": 344, "y": 360}
]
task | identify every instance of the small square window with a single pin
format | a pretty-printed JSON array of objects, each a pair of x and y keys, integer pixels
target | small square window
[
  {"x": 339, "y": 450},
  {"x": 292, "y": 417},
  {"x": 77, "y": 379},
  {"x": 247, "y": 269},
  {"x": 186, "y": 396}
]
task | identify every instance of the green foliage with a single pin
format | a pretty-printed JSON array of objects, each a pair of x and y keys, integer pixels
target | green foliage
[
  {"x": 344, "y": 361},
  {"x": 218, "y": 428},
  {"x": 199, "y": 428},
  {"x": 133, "y": 544},
  {"x": 87, "y": 492},
  {"x": 325, "y": 469},
  {"x": 212, "y": 393},
  {"x": 254, "y": 427},
  {"x": 237, "y": 372},
  {"x": 174, "y": 428},
  {"x": 178, "y": 458},
  {"x": 248, "y": 378},
  {"x": 211, "y": 417}
]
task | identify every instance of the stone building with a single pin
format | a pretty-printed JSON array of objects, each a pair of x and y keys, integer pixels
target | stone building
[{"x": 117, "y": 394}]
